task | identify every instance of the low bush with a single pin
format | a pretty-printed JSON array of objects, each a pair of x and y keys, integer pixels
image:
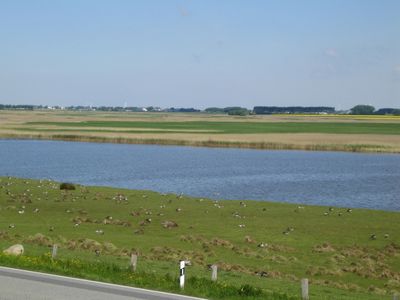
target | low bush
[{"x": 67, "y": 186}]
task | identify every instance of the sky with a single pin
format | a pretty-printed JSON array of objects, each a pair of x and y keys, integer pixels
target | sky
[{"x": 200, "y": 53}]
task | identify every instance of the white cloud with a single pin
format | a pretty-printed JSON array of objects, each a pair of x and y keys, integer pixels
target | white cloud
[
  {"x": 332, "y": 52},
  {"x": 183, "y": 11}
]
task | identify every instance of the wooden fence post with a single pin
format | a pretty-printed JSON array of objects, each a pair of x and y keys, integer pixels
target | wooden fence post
[
  {"x": 214, "y": 274},
  {"x": 54, "y": 252},
  {"x": 304, "y": 289},
  {"x": 133, "y": 262}
]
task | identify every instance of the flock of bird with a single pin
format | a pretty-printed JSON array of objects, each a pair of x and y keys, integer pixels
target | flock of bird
[{"x": 122, "y": 198}]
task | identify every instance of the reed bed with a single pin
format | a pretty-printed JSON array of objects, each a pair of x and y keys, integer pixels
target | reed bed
[{"x": 356, "y": 147}]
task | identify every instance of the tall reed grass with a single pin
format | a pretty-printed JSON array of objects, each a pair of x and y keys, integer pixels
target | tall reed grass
[{"x": 372, "y": 148}]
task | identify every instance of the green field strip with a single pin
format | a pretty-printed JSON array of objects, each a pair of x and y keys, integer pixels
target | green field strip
[{"x": 243, "y": 127}]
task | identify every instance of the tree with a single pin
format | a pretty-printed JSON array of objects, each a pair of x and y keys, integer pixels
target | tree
[
  {"x": 215, "y": 110},
  {"x": 362, "y": 110},
  {"x": 239, "y": 111}
]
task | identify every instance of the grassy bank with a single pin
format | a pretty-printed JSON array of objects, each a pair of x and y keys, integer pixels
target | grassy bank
[
  {"x": 114, "y": 273},
  {"x": 346, "y": 254}
]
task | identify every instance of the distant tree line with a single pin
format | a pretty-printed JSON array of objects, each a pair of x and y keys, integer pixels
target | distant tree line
[
  {"x": 231, "y": 110},
  {"x": 388, "y": 111},
  {"x": 106, "y": 108},
  {"x": 22, "y": 107},
  {"x": 173, "y": 109},
  {"x": 267, "y": 110},
  {"x": 362, "y": 109}
]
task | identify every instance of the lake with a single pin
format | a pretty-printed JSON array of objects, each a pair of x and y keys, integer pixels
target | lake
[{"x": 321, "y": 178}]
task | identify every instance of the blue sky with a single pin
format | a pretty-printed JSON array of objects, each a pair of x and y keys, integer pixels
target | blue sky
[{"x": 200, "y": 53}]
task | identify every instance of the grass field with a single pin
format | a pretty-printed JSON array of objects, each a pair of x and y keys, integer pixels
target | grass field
[
  {"x": 234, "y": 127},
  {"x": 301, "y": 132},
  {"x": 268, "y": 245}
]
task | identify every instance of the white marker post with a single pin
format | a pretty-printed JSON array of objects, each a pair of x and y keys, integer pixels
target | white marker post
[
  {"x": 304, "y": 289},
  {"x": 182, "y": 274},
  {"x": 214, "y": 270},
  {"x": 54, "y": 252},
  {"x": 133, "y": 262}
]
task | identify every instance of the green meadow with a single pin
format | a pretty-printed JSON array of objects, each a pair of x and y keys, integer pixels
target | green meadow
[
  {"x": 262, "y": 249},
  {"x": 234, "y": 127}
]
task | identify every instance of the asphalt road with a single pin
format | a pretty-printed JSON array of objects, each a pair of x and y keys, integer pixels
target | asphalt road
[{"x": 27, "y": 285}]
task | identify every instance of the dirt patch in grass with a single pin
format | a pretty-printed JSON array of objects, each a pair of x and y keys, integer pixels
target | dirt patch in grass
[
  {"x": 172, "y": 254},
  {"x": 325, "y": 247},
  {"x": 39, "y": 239}
]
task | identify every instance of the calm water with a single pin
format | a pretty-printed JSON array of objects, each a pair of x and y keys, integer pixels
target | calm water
[{"x": 326, "y": 178}]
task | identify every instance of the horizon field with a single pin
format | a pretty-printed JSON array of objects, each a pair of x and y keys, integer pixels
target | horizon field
[{"x": 298, "y": 132}]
